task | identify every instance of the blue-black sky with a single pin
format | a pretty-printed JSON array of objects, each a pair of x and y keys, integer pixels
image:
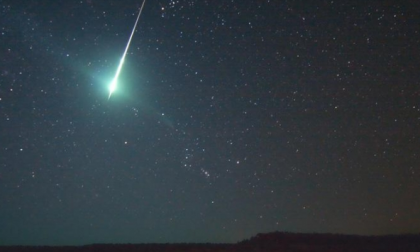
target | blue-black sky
[{"x": 231, "y": 118}]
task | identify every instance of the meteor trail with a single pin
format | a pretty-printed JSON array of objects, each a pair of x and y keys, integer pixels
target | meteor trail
[{"x": 114, "y": 82}]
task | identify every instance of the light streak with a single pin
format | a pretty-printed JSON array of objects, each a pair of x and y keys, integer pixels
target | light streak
[{"x": 113, "y": 85}]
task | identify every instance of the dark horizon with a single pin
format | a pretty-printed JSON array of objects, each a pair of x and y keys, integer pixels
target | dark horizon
[
  {"x": 276, "y": 241},
  {"x": 245, "y": 240}
]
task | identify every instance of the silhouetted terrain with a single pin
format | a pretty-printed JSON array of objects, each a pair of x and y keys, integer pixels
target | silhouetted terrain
[
  {"x": 270, "y": 242},
  {"x": 329, "y": 242}
]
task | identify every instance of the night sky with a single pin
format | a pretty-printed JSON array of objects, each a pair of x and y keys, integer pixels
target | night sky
[{"x": 231, "y": 118}]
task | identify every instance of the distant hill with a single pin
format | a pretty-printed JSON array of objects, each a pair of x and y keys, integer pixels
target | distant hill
[
  {"x": 267, "y": 242},
  {"x": 280, "y": 241}
]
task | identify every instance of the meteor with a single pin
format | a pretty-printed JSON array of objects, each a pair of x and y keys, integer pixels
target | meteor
[{"x": 113, "y": 85}]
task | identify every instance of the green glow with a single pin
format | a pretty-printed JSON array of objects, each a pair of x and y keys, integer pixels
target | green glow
[{"x": 113, "y": 85}]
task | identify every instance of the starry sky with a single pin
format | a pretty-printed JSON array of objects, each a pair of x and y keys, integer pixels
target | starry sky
[{"x": 231, "y": 118}]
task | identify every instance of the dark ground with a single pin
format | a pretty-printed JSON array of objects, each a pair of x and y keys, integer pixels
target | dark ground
[{"x": 278, "y": 242}]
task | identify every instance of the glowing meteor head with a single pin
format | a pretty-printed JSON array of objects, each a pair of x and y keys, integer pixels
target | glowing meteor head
[{"x": 112, "y": 87}]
